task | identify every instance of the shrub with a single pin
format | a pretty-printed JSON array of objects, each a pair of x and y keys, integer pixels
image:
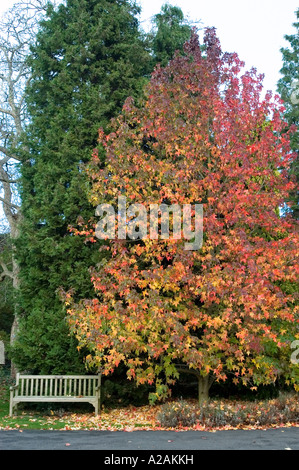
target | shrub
[
  {"x": 179, "y": 413},
  {"x": 217, "y": 413}
]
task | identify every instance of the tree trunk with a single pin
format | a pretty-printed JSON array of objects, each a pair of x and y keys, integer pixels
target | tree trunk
[
  {"x": 15, "y": 325},
  {"x": 13, "y": 333},
  {"x": 204, "y": 384}
]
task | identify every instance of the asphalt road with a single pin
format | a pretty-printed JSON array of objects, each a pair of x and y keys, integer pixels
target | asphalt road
[{"x": 151, "y": 441}]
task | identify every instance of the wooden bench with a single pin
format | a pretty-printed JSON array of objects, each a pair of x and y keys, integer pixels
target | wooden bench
[{"x": 56, "y": 388}]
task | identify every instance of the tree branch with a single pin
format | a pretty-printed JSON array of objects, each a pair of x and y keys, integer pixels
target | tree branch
[
  {"x": 9, "y": 181},
  {"x": 8, "y": 156},
  {"x": 5, "y": 272},
  {"x": 10, "y": 204}
]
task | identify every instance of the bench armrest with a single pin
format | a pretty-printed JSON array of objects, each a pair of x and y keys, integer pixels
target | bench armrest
[{"x": 13, "y": 387}]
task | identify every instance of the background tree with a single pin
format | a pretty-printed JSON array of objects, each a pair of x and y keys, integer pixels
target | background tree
[
  {"x": 87, "y": 58},
  {"x": 203, "y": 135},
  {"x": 170, "y": 32},
  {"x": 288, "y": 87},
  {"x": 18, "y": 27}
]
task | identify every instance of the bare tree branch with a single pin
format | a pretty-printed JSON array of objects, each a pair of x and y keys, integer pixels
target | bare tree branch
[
  {"x": 9, "y": 181},
  {"x": 6, "y": 272},
  {"x": 18, "y": 28},
  {"x": 10, "y": 204}
]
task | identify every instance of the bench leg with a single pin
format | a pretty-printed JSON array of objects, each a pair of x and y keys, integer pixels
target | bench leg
[
  {"x": 98, "y": 397},
  {"x": 11, "y": 403},
  {"x": 12, "y": 408}
]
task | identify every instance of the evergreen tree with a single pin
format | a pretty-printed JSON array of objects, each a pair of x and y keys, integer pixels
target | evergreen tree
[
  {"x": 171, "y": 31},
  {"x": 288, "y": 87},
  {"x": 88, "y": 57}
]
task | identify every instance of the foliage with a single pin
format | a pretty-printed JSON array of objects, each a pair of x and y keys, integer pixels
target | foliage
[
  {"x": 6, "y": 292},
  {"x": 203, "y": 135},
  {"x": 288, "y": 87}
]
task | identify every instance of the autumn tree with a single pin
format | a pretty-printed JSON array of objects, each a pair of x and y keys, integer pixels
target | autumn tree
[{"x": 204, "y": 135}]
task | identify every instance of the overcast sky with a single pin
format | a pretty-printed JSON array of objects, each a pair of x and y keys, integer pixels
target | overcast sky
[{"x": 255, "y": 29}]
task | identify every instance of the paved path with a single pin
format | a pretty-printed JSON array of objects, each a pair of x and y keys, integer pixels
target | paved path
[{"x": 271, "y": 439}]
